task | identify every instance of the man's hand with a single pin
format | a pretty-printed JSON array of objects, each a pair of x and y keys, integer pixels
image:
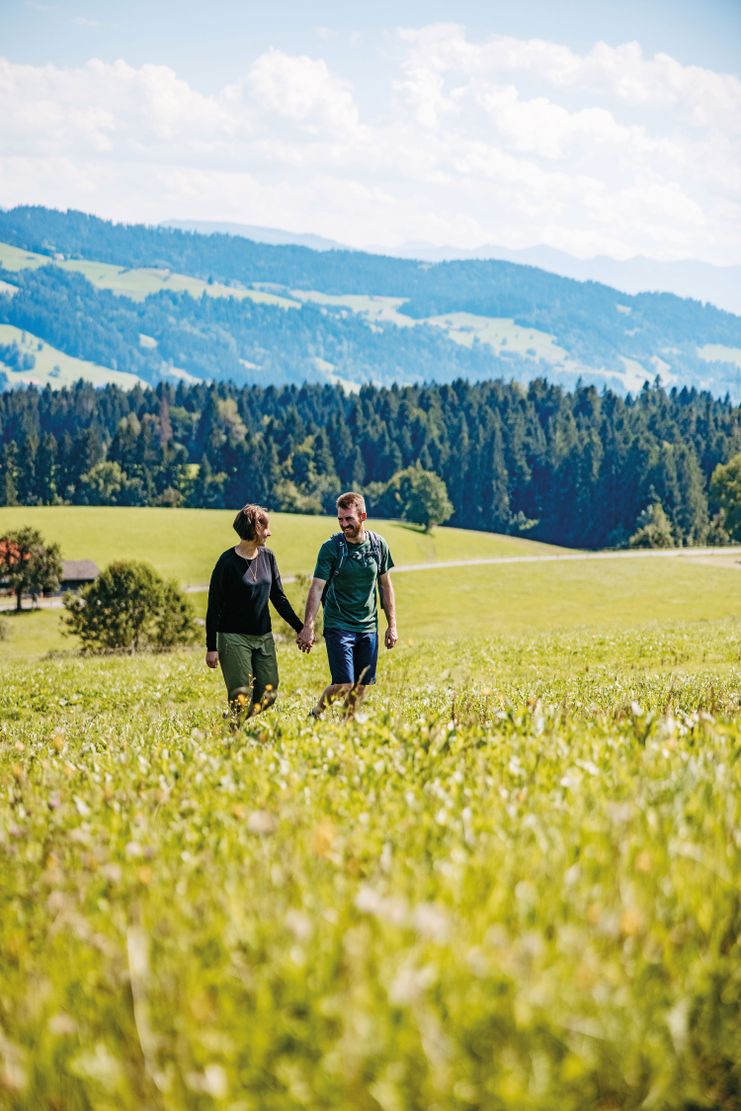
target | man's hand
[
  {"x": 305, "y": 638},
  {"x": 391, "y": 636},
  {"x": 212, "y": 659}
]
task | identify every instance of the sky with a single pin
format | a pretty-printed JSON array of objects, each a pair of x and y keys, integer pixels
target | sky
[{"x": 590, "y": 126}]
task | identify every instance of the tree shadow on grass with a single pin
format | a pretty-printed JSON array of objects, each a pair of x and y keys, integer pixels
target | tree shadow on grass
[{"x": 411, "y": 527}]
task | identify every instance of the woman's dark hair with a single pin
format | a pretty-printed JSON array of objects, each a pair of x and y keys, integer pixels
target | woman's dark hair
[{"x": 247, "y": 518}]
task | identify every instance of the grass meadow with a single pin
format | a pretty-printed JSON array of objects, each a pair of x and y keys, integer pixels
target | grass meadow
[
  {"x": 185, "y": 543},
  {"x": 510, "y": 882}
]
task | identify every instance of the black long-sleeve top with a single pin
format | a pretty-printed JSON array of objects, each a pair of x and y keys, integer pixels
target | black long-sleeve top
[{"x": 238, "y": 596}]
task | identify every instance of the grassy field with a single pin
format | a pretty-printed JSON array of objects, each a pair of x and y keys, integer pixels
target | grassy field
[
  {"x": 185, "y": 543},
  {"x": 448, "y": 602},
  {"x": 510, "y": 883}
]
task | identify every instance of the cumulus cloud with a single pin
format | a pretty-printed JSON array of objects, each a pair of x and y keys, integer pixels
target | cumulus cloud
[{"x": 503, "y": 141}]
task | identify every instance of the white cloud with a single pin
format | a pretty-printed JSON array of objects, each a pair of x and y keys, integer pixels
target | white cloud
[{"x": 504, "y": 141}]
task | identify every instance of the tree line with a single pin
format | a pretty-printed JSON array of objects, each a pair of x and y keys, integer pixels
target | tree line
[{"x": 576, "y": 468}]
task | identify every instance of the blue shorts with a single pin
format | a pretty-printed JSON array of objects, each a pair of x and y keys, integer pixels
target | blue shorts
[{"x": 352, "y": 656}]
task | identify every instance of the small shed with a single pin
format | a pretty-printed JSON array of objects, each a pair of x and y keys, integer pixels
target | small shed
[{"x": 77, "y": 573}]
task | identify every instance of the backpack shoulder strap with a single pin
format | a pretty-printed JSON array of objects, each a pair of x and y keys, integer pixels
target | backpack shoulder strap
[
  {"x": 376, "y": 549},
  {"x": 340, "y": 553}
]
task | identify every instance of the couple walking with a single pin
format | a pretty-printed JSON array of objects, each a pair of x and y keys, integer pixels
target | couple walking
[{"x": 350, "y": 566}]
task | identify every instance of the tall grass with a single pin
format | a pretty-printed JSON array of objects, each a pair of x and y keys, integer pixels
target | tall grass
[{"x": 510, "y": 882}]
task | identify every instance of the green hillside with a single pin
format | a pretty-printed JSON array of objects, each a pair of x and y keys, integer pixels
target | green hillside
[
  {"x": 185, "y": 543},
  {"x": 54, "y": 368},
  {"x": 356, "y": 318},
  {"x": 502, "y": 336}
]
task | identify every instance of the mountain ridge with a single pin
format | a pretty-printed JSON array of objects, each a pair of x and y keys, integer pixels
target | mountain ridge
[
  {"x": 290, "y": 313},
  {"x": 696, "y": 279}
]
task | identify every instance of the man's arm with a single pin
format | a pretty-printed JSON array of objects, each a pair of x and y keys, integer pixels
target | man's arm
[
  {"x": 305, "y": 638},
  {"x": 389, "y": 608}
]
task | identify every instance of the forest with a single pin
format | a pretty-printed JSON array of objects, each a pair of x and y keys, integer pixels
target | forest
[{"x": 576, "y": 468}]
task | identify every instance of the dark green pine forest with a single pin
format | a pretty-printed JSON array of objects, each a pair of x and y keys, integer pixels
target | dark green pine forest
[{"x": 576, "y": 467}]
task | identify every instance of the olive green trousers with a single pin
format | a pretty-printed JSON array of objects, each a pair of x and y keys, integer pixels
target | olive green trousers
[{"x": 250, "y": 669}]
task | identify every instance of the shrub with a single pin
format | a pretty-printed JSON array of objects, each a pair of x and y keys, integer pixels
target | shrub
[
  {"x": 130, "y": 607},
  {"x": 653, "y": 529}
]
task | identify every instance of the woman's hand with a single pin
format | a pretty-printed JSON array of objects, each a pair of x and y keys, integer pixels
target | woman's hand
[{"x": 212, "y": 659}]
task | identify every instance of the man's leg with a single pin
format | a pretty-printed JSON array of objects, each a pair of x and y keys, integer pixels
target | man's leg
[
  {"x": 365, "y": 659},
  {"x": 340, "y": 657},
  {"x": 328, "y": 695},
  {"x": 354, "y": 698}
]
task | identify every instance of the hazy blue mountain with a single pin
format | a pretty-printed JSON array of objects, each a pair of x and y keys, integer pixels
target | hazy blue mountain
[
  {"x": 173, "y": 304},
  {"x": 702, "y": 281},
  {"x": 276, "y": 236}
]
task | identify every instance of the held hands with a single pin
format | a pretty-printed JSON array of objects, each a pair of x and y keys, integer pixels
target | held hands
[
  {"x": 212, "y": 659},
  {"x": 391, "y": 636},
  {"x": 305, "y": 639}
]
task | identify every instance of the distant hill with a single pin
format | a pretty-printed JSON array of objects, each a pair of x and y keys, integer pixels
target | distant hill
[
  {"x": 718, "y": 285},
  {"x": 276, "y": 236},
  {"x": 163, "y": 303}
]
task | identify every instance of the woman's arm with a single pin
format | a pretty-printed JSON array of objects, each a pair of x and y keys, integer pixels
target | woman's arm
[
  {"x": 279, "y": 600},
  {"x": 306, "y": 636},
  {"x": 213, "y": 613}
]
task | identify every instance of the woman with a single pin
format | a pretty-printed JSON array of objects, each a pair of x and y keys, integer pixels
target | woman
[{"x": 238, "y": 628}]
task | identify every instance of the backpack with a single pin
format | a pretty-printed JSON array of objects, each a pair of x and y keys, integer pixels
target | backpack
[{"x": 341, "y": 555}]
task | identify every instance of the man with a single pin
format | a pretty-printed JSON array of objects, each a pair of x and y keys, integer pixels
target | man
[{"x": 349, "y": 567}]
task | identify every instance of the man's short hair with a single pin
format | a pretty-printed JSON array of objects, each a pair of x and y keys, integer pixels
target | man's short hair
[
  {"x": 245, "y": 521},
  {"x": 350, "y": 499}
]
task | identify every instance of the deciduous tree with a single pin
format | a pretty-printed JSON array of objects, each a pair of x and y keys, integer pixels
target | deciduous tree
[
  {"x": 29, "y": 564},
  {"x": 725, "y": 494},
  {"x": 130, "y": 607},
  {"x": 420, "y": 497}
]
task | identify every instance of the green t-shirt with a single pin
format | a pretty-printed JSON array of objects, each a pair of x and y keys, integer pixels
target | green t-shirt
[{"x": 350, "y": 603}]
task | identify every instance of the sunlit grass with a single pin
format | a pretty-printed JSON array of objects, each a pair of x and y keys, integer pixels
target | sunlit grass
[
  {"x": 185, "y": 543},
  {"x": 511, "y": 882}
]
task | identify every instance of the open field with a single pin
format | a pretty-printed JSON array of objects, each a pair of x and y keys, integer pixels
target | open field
[
  {"x": 510, "y": 883},
  {"x": 609, "y": 594},
  {"x": 185, "y": 543}
]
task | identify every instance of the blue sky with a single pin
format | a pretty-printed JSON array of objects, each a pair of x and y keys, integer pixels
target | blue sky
[
  {"x": 211, "y": 42},
  {"x": 592, "y": 127}
]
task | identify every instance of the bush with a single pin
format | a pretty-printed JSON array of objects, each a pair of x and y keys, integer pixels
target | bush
[
  {"x": 130, "y": 607},
  {"x": 653, "y": 529}
]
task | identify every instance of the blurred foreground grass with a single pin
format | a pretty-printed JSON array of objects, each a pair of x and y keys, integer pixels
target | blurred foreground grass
[{"x": 511, "y": 882}]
